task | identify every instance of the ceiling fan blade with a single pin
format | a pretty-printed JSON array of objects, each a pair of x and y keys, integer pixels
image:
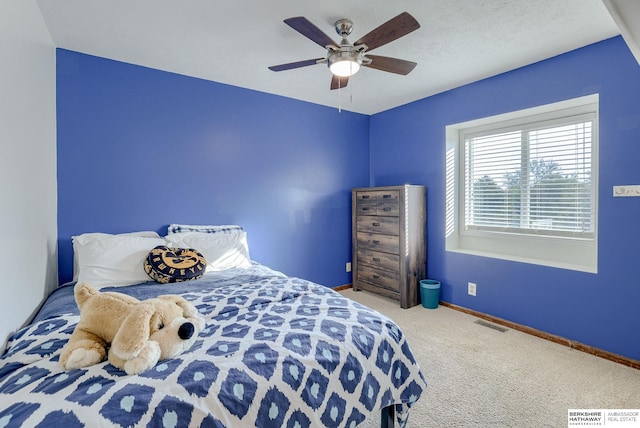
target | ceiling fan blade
[
  {"x": 297, "y": 64},
  {"x": 392, "y": 65},
  {"x": 393, "y": 29},
  {"x": 338, "y": 82},
  {"x": 305, "y": 27}
]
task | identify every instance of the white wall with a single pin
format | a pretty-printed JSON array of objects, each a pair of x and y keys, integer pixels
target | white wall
[{"x": 28, "y": 190}]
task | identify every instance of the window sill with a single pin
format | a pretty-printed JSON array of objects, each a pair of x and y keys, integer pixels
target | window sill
[
  {"x": 572, "y": 254},
  {"x": 549, "y": 263}
]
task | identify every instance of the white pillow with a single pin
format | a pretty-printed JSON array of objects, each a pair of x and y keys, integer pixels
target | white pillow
[
  {"x": 86, "y": 237},
  {"x": 221, "y": 250},
  {"x": 114, "y": 260}
]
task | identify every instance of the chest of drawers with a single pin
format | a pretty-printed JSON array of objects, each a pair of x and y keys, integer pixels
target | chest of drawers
[{"x": 389, "y": 233}]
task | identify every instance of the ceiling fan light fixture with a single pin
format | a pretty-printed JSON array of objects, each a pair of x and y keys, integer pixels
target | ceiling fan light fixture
[
  {"x": 344, "y": 63},
  {"x": 345, "y": 68}
]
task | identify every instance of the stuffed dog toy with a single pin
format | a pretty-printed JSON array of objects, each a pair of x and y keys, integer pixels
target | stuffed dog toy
[{"x": 140, "y": 333}]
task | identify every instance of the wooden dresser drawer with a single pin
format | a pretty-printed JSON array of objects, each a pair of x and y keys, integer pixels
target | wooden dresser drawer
[
  {"x": 366, "y": 205},
  {"x": 388, "y": 204},
  {"x": 378, "y": 203},
  {"x": 380, "y": 277},
  {"x": 378, "y": 242},
  {"x": 377, "y": 259},
  {"x": 379, "y": 224}
]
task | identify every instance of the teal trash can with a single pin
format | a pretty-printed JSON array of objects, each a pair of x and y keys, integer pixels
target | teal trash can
[{"x": 430, "y": 293}]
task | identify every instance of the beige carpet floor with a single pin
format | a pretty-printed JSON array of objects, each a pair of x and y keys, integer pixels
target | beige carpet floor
[{"x": 480, "y": 377}]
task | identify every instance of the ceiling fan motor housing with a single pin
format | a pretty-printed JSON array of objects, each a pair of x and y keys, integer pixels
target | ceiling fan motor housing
[{"x": 344, "y": 27}]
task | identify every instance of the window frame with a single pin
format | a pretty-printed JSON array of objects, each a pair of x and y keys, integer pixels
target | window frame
[{"x": 575, "y": 252}]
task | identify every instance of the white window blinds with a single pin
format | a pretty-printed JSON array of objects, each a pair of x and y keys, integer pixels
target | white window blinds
[{"x": 534, "y": 178}]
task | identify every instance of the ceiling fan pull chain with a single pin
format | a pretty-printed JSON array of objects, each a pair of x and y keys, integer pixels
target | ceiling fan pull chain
[
  {"x": 351, "y": 87},
  {"x": 339, "y": 96},
  {"x": 351, "y": 94}
]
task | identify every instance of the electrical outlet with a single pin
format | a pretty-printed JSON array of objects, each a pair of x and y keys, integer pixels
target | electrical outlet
[
  {"x": 471, "y": 288},
  {"x": 348, "y": 267}
]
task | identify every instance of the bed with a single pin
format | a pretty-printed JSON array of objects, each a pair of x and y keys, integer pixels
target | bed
[{"x": 275, "y": 351}]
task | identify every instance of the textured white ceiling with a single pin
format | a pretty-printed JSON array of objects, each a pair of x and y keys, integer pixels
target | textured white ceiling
[
  {"x": 626, "y": 14},
  {"x": 233, "y": 42}
]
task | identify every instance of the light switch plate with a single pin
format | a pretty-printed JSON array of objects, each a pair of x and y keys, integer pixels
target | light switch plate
[
  {"x": 626, "y": 191},
  {"x": 471, "y": 288}
]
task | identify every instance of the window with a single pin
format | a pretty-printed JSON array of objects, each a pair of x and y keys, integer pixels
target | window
[{"x": 525, "y": 186}]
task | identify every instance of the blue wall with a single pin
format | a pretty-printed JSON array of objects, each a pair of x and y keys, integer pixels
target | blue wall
[
  {"x": 139, "y": 149},
  {"x": 601, "y": 310}
]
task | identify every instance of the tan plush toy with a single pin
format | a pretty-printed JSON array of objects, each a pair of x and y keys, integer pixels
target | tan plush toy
[{"x": 140, "y": 332}]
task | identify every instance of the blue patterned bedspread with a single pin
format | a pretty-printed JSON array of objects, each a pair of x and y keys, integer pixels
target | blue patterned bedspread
[{"x": 275, "y": 352}]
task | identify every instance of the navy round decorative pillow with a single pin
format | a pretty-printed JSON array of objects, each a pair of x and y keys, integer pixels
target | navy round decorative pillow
[{"x": 165, "y": 264}]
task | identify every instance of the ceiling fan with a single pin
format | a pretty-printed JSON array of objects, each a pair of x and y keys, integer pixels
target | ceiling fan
[{"x": 344, "y": 59}]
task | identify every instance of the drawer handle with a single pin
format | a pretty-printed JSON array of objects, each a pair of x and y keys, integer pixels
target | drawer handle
[
  {"x": 386, "y": 196},
  {"x": 375, "y": 259},
  {"x": 375, "y": 224},
  {"x": 375, "y": 276},
  {"x": 365, "y": 196},
  {"x": 386, "y": 209},
  {"x": 365, "y": 209},
  {"x": 375, "y": 241}
]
